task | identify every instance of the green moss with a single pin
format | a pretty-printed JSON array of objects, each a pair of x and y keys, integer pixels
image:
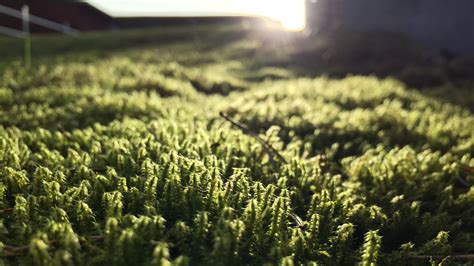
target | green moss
[{"x": 121, "y": 159}]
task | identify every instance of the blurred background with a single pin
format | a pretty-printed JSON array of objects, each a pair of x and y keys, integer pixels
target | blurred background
[
  {"x": 436, "y": 23},
  {"x": 424, "y": 43}
]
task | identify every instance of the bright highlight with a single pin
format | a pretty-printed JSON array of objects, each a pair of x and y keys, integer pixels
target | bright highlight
[{"x": 291, "y": 13}]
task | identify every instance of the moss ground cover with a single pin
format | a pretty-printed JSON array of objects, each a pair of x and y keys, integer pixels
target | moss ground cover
[{"x": 119, "y": 156}]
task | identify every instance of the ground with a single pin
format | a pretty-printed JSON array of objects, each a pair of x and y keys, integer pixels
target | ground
[{"x": 226, "y": 145}]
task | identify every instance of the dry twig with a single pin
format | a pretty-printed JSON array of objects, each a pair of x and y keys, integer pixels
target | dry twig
[
  {"x": 465, "y": 257},
  {"x": 11, "y": 251},
  {"x": 467, "y": 169},
  {"x": 6, "y": 210},
  {"x": 272, "y": 152}
]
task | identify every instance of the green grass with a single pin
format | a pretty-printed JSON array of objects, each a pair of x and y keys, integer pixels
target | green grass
[{"x": 112, "y": 151}]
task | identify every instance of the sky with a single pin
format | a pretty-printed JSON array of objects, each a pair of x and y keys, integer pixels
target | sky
[{"x": 291, "y": 13}]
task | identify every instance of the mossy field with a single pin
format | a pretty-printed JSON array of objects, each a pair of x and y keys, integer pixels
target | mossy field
[{"x": 231, "y": 146}]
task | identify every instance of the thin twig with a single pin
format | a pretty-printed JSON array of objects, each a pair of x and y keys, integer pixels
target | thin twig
[
  {"x": 7, "y": 254},
  {"x": 467, "y": 169},
  {"x": 268, "y": 148},
  {"x": 438, "y": 257},
  {"x": 95, "y": 238},
  {"x": 6, "y": 210},
  {"x": 463, "y": 182},
  {"x": 11, "y": 251},
  {"x": 298, "y": 222}
]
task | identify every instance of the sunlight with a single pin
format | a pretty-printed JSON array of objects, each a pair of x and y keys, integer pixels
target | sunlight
[{"x": 291, "y": 13}]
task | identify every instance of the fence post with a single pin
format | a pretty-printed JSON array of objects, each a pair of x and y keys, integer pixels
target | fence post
[{"x": 25, "y": 14}]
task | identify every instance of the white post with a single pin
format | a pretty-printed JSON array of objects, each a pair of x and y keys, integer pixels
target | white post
[{"x": 25, "y": 15}]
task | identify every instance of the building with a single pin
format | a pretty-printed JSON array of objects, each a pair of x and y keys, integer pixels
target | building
[
  {"x": 85, "y": 17},
  {"x": 439, "y": 24},
  {"x": 78, "y": 15}
]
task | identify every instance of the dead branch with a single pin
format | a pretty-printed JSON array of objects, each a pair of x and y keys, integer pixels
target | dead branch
[
  {"x": 298, "y": 222},
  {"x": 469, "y": 257},
  {"x": 6, "y": 210},
  {"x": 463, "y": 182},
  {"x": 467, "y": 169},
  {"x": 11, "y": 251},
  {"x": 272, "y": 152}
]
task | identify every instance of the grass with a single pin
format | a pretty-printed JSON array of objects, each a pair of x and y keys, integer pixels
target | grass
[{"x": 112, "y": 151}]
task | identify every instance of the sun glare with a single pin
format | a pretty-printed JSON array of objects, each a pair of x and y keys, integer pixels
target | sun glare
[{"x": 291, "y": 13}]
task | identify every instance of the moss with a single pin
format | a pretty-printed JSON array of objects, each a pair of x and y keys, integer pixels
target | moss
[{"x": 120, "y": 160}]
